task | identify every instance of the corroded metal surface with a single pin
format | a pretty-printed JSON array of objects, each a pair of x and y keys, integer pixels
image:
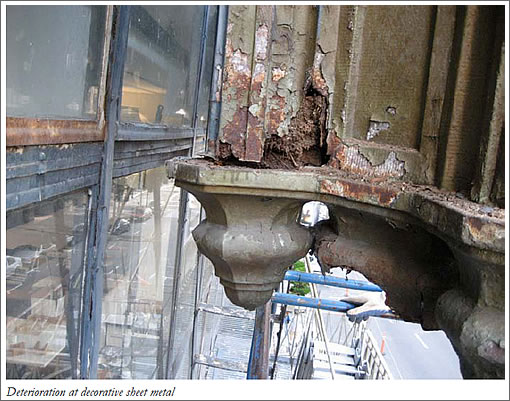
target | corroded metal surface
[
  {"x": 34, "y": 131},
  {"x": 359, "y": 192},
  {"x": 379, "y": 118},
  {"x": 384, "y": 116},
  {"x": 416, "y": 242},
  {"x": 254, "y": 144},
  {"x": 403, "y": 260}
]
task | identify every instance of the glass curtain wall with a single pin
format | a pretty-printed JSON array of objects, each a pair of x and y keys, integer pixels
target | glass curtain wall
[
  {"x": 151, "y": 261},
  {"x": 46, "y": 245},
  {"x": 138, "y": 274}
]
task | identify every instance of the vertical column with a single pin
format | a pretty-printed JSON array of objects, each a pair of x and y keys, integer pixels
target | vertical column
[{"x": 258, "y": 364}]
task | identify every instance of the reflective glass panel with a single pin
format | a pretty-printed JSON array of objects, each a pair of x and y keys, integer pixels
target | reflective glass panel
[
  {"x": 138, "y": 276},
  {"x": 180, "y": 354},
  {"x": 54, "y": 56},
  {"x": 44, "y": 271},
  {"x": 203, "y": 99},
  {"x": 161, "y": 64}
]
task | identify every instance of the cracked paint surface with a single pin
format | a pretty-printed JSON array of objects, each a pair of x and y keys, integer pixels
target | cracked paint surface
[
  {"x": 375, "y": 127},
  {"x": 351, "y": 159}
]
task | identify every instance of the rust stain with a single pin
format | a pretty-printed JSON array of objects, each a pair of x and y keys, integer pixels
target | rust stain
[
  {"x": 277, "y": 73},
  {"x": 333, "y": 143},
  {"x": 42, "y": 131},
  {"x": 233, "y": 134},
  {"x": 318, "y": 81},
  {"x": 481, "y": 231},
  {"x": 359, "y": 191},
  {"x": 237, "y": 71},
  {"x": 254, "y": 144},
  {"x": 474, "y": 224},
  {"x": 276, "y": 114}
]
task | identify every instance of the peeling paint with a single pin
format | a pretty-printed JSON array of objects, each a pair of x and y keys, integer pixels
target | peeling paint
[
  {"x": 254, "y": 109},
  {"x": 349, "y": 158},
  {"x": 217, "y": 95},
  {"x": 391, "y": 110},
  {"x": 277, "y": 73},
  {"x": 261, "y": 41},
  {"x": 375, "y": 127},
  {"x": 276, "y": 114},
  {"x": 239, "y": 62},
  {"x": 254, "y": 143}
]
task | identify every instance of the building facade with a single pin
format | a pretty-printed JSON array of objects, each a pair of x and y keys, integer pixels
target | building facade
[{"x": 393, "y": 116}]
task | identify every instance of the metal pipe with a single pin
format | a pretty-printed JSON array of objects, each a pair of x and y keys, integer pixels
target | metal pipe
[
  {"x": 213, "y": 121},
  {"x": 333, "y": 281},
  {"x": 316, "y": 303},
  {"x": 258, "y": 363}
]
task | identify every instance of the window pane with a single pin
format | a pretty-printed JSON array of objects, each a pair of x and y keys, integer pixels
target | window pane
[
  {"x": 161, "y": 64},
  {"x": 54, "y": 60},
  {"x": 45, "y": 253},
  {"x": 138, "y": 281},
  {"x": 180, "y": 359},
  {"x": 203, "y": 100}
]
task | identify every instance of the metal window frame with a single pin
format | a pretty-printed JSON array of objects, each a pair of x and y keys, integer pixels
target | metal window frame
[
  {"x": 21, "y": 131},
  {"x": 126, "y": 149},
  {"x": 138, "y": 131},
  {"x": 97, "y": 236}
]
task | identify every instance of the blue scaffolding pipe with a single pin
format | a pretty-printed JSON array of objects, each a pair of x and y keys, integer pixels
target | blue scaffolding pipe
[
  {"x": 258, "y": 363},
  {"x": 326, "y": 304},
  {"x": 293, "y": 275}
]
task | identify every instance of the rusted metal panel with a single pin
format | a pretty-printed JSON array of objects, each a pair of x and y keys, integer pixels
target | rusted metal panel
[
  {"x": 291, "y": 49},
  {"x": 254, "y": 144},
  {"x": 237, "y": 76},
  {"x": 328, "y": 86},
  {"x": 357, "y": 191},
  {"x": 35, "y": 131}
]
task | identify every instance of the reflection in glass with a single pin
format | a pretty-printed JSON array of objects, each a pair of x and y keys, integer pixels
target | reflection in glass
[
  {"x": 54, "y": 60},
  {"x": 180, "y": 355},
  {"x": 45, "y": 252},
  {"x": 161, "y": 64},
  {"x": 138, "y": 275},
  {"x": 203, "y": 99}
]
